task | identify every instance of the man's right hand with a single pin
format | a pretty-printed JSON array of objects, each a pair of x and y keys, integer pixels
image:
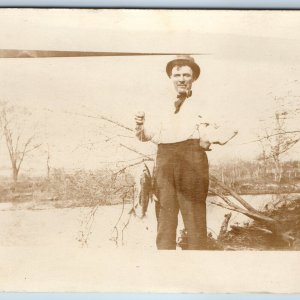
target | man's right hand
[{"x": 139, "y": 118}]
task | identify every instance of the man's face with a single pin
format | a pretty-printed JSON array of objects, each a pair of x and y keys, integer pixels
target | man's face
[{"x": 182, "y": 78}]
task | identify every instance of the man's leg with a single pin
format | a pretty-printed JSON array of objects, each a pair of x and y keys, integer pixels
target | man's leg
[
  {"x": 167, "y": 225},
  {"x": 194, "y": 219},
  {"x": 191, "y": 180},
  {"x": 168, "y": 208}
]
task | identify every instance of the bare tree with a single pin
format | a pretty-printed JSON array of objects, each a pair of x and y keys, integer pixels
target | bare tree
[
  {"x": 19, "y": 139},
  {"x": 277, "y": 138}
]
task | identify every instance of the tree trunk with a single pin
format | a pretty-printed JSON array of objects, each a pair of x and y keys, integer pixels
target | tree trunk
[
  {"x": 224, "y": 226},
  {"x": 15, "y": 172}
]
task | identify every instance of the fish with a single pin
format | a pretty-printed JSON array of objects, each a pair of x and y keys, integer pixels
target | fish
[
  {"x": 144, "y": 193},
  {"x": 146, "y": 190}
]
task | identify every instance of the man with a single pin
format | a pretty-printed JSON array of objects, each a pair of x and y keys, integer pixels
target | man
[{"x": 182, "y": 176}]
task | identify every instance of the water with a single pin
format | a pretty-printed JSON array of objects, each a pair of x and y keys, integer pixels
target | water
[{"x": 36, "y": 224}]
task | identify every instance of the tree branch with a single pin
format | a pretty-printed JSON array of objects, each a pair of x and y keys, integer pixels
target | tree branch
[
  {"x": 252, "y": 215},
  {"x": 271, "y": 135},
  {"x": 233, "y": 194}
]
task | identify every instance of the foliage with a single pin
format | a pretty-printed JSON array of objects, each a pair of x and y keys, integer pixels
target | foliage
[
  {"x": 69, "y": 189},
  {"x": 256, "y": 177},
  {"x": 89, "y": 187}
]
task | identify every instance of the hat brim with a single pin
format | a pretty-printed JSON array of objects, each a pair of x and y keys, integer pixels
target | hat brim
[{"x": 183, "y": 62}]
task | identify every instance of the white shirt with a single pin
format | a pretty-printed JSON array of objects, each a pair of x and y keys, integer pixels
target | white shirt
[{"x": 191, "y": 122}]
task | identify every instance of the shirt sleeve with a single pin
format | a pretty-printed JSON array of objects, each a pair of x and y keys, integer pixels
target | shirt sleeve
[
  {"x": 212, "y": 133},
  {"x": 146, "y": 132}
]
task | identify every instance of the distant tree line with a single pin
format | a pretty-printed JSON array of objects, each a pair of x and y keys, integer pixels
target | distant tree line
[{"x": 258, "y": 175}]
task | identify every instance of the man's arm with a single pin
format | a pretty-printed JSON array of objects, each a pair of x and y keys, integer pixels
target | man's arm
[
  {"x": 211, "y": 133},
  {"x": 141, "y": 132}
]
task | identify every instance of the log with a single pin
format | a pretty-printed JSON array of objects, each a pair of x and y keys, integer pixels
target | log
[
  {"x": 237, "y": 228},
  {"x": 272, "y": 224},
  {"x": 223, "y": 197},
  {"x": 233, "y": 194},
  {"x": 266, "y": 231},
  {"x": 255, "y": 216}
]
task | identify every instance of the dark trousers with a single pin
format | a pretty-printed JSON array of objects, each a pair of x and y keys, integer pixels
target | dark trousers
[{"x": 181, "y": 185}]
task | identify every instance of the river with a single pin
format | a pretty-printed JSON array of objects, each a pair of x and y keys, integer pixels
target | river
[{"x": 42, "y": 226}]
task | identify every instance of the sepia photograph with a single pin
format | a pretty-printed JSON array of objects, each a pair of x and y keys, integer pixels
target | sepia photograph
[{"x": 135, "y": 131}]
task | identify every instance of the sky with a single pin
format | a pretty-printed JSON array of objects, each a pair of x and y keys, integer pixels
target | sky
[{"x": 247, "y": 59}]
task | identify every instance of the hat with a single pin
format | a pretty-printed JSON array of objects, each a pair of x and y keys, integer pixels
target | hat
[{"x": 183, "y": 60}]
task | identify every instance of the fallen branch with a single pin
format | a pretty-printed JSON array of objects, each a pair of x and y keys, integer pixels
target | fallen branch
[
  {"x": 252, "y": 215},
  {"x": 233, "y": 194},
  {"x": 264, "y": 230},
  {"x": 223, "y": 197},
  {"x": 124, "y": 227},
  {"x": 136, "y": 151},
  {"x": 131, "y": 165},
  {"x": 115, "y": 228}
]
